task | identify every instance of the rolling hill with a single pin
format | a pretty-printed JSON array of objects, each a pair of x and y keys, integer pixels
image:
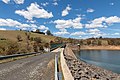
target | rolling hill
[{"x": 9, "y": 43}]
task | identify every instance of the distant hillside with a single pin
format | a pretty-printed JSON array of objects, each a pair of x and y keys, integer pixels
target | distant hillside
[
  {"x": 101, "y": 41},
  {"x": 12, "y": 42},
  {"x": 12, "y": 35}
]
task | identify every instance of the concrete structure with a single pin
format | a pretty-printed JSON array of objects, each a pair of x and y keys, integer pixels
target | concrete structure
[{"x": 66, "y": 72}]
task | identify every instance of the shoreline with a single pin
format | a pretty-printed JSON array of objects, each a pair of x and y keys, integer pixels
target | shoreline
[
  {"x": 100, "y": 47},
  {"x": 82, "y": 70}
]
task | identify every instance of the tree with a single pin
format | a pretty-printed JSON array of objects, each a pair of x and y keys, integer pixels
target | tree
[
  {"x": 13, "y": 48},
  {"x": 111, "y": 42},
  {"x": 27, "y": 35},
  {"x": 88, "y": 42},
  {"x": 37, "y": 40},
  {"x": 100, "y": 37},
  {"x": 47, "y": 45},
  {"x": 99, "y": 42},
  {"x": 81, "y": 42},
  {"x": 37, "y": 44},
  {"x": 35, "y": 47},
  {"x": 37, "y": 31},
  {"x": 19, "y": 38},
  {"x": 49, "y": 33}
]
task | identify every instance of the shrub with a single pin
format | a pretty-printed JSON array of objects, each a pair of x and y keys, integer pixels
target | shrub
[
  {"x": 3, "y": 39},
  {"x": 35, "y": 47},
  {"x": 40, "y": 47},
  {"x": 13, "y": 48},
  {"x": 37, "y": 40},
  {"x": 99, "y": 42},
  {"x": 27, "y": 35},
  {"x": 49, "y": 33},
  {"x": 23, "y": 50},
  {"x": 47, "y": 45},
  {"x": 31, "y": 39},
  {"x": 19, "y": 38}
]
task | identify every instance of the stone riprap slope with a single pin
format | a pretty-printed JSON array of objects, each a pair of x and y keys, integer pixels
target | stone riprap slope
[{"x": 83, "y": 71}]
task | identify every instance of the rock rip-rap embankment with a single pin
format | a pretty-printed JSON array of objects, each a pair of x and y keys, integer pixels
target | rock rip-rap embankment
[{"x": 83, "y": 71}]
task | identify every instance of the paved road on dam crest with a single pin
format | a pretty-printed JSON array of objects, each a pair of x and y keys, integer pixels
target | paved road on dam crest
[{"x": 40, "y": 67}]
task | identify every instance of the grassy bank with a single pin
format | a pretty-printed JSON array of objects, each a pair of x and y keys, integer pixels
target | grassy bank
[{"x": 12, "y": 42}]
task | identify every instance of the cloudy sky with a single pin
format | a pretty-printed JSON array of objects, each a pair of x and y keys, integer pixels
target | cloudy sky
[{"x": 65, "y": 18}]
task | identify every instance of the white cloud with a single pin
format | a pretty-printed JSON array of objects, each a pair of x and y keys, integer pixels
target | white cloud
[
  {"x": 93, "y": 31},
  {"x": 100, "y": 34},
  {"x": 2, "y": 29},
  {"x": 96, "y": 23},
  {"x": 44, "y": 4},
  {"x": 55, "y": 0},
  {"x": 33, "y": 25},
  {"x": 55, "y": 3},
  {"x": 63, "y": 24},
  {"x": 61, "y": 33},
  {"x": 42, "y": 27},
  {"x": 6, "y": 1},
  {"x": 103, "y": 22},
  {"x": 77, "y": 33},
  {"x": 111, "y": 4},
  {"x": 34, "y": 10},
  {"x": 99, "y": 20},
  {"x": 66, "y": 11},
  {"x": 116, "y": 34},
  {"x": 16, "y": 1},
  {"x": 34, "y": 29},
  {"x": 14, "y": 23},
  {"x": 112, "y": 19},
  {"x": 31, "y": 21},
  {"x": 19, "y": 1},
  {"x": 89, "y": 10}
]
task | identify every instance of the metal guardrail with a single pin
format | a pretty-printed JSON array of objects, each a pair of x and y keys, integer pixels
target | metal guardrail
[
  {"x": 57, "y": 47},
  {"x": 16, "y": 55}
]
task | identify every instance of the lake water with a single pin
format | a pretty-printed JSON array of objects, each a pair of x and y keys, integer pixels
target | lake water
[{"x": 106, "y": 59}]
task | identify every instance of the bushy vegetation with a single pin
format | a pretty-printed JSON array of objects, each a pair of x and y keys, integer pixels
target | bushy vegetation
[
  {"x": 37, "y": 46},
  {"x": 101, "y": 41},
  {"x": 19, "y": 38},
  {"x": 38, "y": 31},
  {"x": 12, "y": 48},
  {"x": 12, "y": 42},
  {"x": 49, "y": 33},
  {"x": 8, "y": 47}
]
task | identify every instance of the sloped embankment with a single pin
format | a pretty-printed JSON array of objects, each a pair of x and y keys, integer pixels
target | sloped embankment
[{"x": 83, "y": 71}]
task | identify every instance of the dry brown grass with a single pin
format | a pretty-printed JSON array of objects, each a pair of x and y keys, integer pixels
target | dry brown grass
[{"x": 11, "y": 35}]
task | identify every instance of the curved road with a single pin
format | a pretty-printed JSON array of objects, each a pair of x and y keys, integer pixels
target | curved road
[{"x": 40, "y": 67}]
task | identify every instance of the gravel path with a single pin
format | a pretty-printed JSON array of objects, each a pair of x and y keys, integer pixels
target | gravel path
[{"x": 39, "y": 67}]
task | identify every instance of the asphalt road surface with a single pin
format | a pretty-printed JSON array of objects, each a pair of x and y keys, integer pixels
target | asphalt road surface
[{"x": 40, "y": 67}]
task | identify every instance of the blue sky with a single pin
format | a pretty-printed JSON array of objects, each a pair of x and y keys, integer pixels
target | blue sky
[{"x": 65, "y": 18}]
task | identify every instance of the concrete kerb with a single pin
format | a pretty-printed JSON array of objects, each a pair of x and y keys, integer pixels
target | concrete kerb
[
  {"x": 65, "y": 70},
  {"x": 56, "y": 72}
]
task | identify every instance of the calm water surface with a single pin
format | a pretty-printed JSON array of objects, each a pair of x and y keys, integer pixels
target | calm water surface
[{"x": 103, "y": 58}]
